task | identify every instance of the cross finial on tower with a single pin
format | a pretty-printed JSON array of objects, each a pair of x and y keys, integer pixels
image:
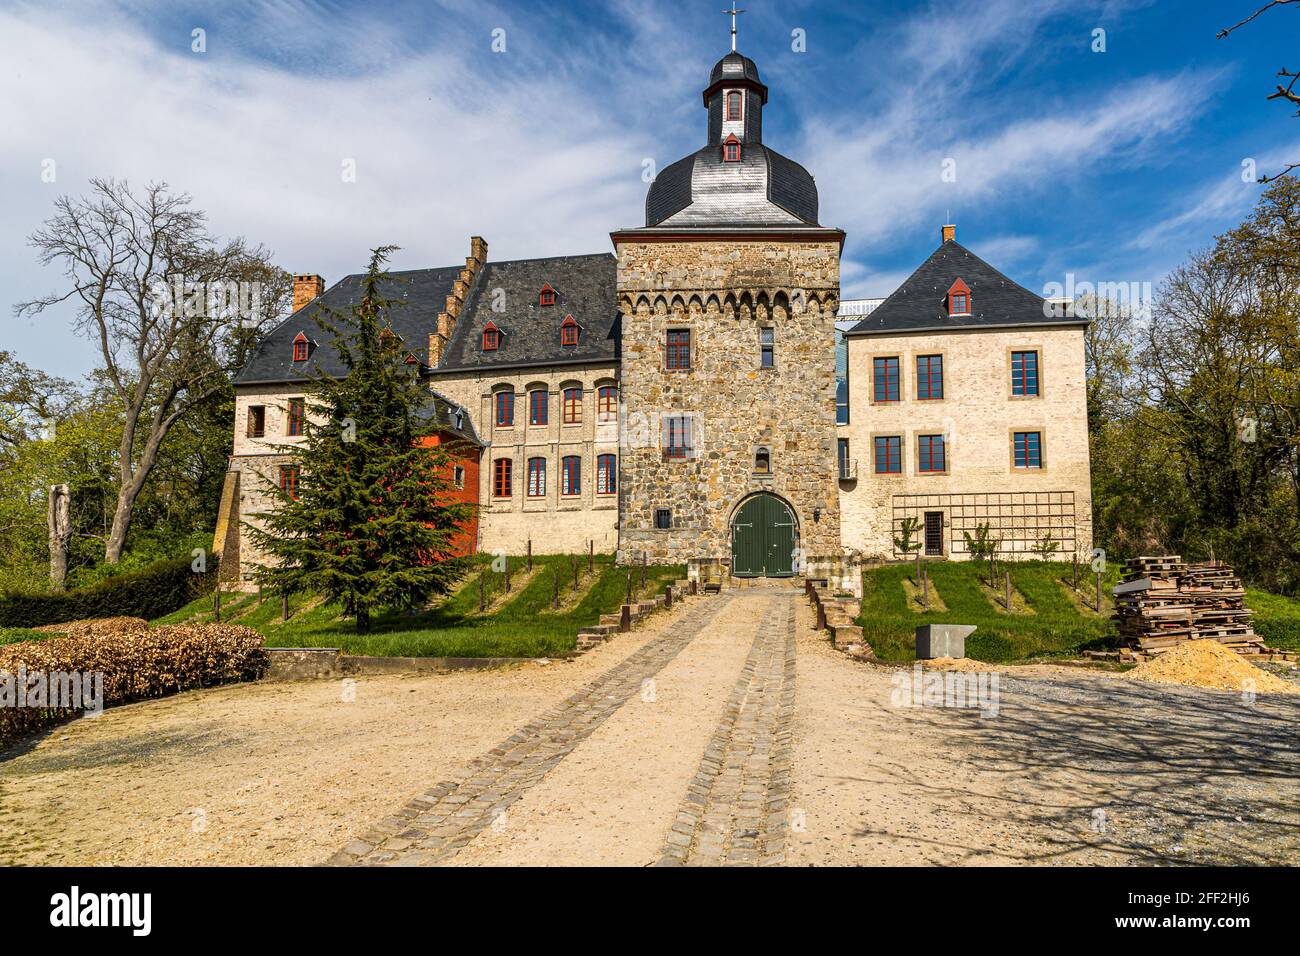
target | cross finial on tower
[{"x": 733, "y": 11}]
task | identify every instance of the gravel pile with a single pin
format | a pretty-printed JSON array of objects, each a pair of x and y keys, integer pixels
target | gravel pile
[{"x": 1208, "y": 663}]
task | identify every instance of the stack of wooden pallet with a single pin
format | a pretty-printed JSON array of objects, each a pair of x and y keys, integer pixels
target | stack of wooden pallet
[{"x": 1163, "y": 601}]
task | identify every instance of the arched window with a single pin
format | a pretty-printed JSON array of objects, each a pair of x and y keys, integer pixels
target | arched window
[
  {"x": 731, "y": 149},
  {"x": 572, "y": 406},
  {"x": 501, "y": 478},
  {"x": 536, "y": 477},
  {"x": 733, "y": 105},
  {"x": 505, "y": 409},
  {"x": 762, "y": 461},
  {"x": 606, "y": 475},
  {"x": 607, "y": 403},
  {"x": 571, "y": 475}
]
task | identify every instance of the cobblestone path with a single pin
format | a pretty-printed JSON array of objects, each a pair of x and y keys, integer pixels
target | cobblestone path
[
  {"x": 735, "y": 812},
  {"x": 433, "y": 827}
]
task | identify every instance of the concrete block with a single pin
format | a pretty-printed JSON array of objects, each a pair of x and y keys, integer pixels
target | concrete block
[{"x": 942, "y": 640}]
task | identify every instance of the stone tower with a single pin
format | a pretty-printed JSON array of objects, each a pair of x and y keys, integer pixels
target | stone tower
[{"x": 728, "y": 297}]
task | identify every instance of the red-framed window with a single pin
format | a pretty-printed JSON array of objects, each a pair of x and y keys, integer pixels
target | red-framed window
[
  {"x": 536, "y": 477},
  {"x": 889, "y": 455},
  {"x": 546, "y": 296},
  {"x": 502, "y": 473},
  {"x": 301, "y": 348},
  {"x": 678, "y": 442},
  {"x": 607, "y": 403},
  {"x": 606, "y": 475},
  {"x": 505, "y": 409},
  {"x": 1028, "y": 449},
  {"x": 289, "y": 481},
  {"x": 491, "y": 339},
  {"x": 734, "y": 105},
  {"x": 929, "y": 377},
  {"x": 677, "y": 349},
  {"x": 885, "y": 378},
  {"x": 731, "y": 150},
  {"x": 571, "y": 475},
  {"x": 1024, "y": 373},
  {"x": 930, "y": 454},
  {"x": 959, "y": 299},
  {"x": 296, "y": 419},
  {"x": 539, "y": 407},
  {"x": 569, "y": 331},
  {"x": 572, "y": 406}
]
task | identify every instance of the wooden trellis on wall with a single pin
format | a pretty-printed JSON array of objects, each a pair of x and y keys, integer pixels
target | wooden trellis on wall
[{"x": 1019, "y": 518}]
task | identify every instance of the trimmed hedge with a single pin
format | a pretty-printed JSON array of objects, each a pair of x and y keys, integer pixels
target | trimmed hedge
[
  {"x": 136, "y": 662},
  {"x": 151, "y": 592}
]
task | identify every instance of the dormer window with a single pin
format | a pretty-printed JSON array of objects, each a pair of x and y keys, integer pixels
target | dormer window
[
  {"x": 569, "y": 331},
  {"x": 301, "y": 348},
  {"x": 733, "y": 105},
  {"x": 959, "y": 299},
  {"x": 546, "y": 296},
  {"x": 491, "y": 338},
  {"x": 731, "y": 149}
]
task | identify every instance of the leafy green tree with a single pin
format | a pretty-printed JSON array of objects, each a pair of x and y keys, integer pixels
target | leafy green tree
[
  {"x": 905, "y": 540},
  {"x": 372, "y": 522},
  {"x": 982, "y": 545}
]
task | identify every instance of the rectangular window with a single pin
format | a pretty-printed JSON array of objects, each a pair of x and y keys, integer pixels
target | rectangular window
[
  {"x": 297, "y": 416},
  {"x": 929, "y": 377},
  {"x": 289, "y": 481},
  {"x": 733, "y": 107},
  {"x": 960, "y": 303},
  {"x": 458, "y": 476},
  {"x": 678, "y": 441},
  {"x": 678, "y": 349},
  {"x": 502, "y": 472},
  {"x": 1028, "y": 449},
  {"x": 846, "y": 466},
  {"x": 841, "y": 401},
  {"x": 1024, "y": 373},
  {"x": 889, "y": 455},
  {"x": 256, "y": 421},
  {"x": 608, "y": 407},
  {"x": 930, "y": 454},
  {"x": 569, "y": 333},
  {"x": 886, "y": 379},
  {"x": 663, "y": 519},
  {"x": 538, "y": 407},
  {"x": 934, "y": 533},
  {"x": 571, "y": 475},
  {"x": 606, "y": 475},
  {"x": 766, "y": 343},
  {"x": 572, "y": 406},
  {"x": 505, "y": 409},
  {"x": 536, "y": 477}
]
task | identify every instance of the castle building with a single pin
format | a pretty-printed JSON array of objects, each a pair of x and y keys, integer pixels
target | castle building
[{"x": 701, "y": 397}]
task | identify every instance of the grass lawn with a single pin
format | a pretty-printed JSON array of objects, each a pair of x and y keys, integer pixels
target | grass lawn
[
  {"x": 1277, "y": 618},
  {"x": 521, "y": 625},
  {"x": 1054, "y": 625},
  {"x": 11, "y": 635}
]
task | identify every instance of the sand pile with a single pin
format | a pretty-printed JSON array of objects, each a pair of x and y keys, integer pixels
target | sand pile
[
  {"x": 1208, "y": 663},
  {"x": 960, "y": 664}
]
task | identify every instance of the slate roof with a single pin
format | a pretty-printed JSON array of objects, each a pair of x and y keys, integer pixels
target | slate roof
[
  {"x": 920, "y": 303},
  {"x": 734, "y": 65},
  {"x": 442, "y": 411},
  {"x": 424, "y": 292},
  {"x": 585, "y": 287},
  {"x": 763, "y": 189}
]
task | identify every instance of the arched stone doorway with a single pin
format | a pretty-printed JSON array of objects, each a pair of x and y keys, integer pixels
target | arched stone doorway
[{"x": 763, "y": 537}]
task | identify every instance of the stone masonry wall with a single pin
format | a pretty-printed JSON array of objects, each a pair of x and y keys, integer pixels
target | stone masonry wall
[{"x": 724, "y": 291}]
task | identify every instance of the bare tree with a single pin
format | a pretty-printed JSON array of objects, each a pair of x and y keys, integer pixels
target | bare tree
[
  {"x": 1285, "y": 93},
  {"x": 164, "y": 301}
]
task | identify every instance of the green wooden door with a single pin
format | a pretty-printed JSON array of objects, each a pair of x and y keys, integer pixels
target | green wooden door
[{"x": 762, "y": 539}]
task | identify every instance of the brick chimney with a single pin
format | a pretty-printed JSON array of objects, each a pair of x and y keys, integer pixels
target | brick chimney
[
  {"x": 949, "y": 233},
  {"x": 306, "y": 288},
  {"x": 460, "y": 290}
]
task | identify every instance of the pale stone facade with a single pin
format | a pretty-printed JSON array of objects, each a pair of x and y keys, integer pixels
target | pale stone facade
[
  {"x": 555, "y": 523},
  {"x": 977, "y": 417},
  {"x": 724, "y": 293}
]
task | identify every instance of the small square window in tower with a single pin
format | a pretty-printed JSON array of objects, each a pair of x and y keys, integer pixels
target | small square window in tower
[
  {"x": 766, "y": 348},
  {"x": 762, "y": 461},
  {"x": 663, "y": 519},
  {"x": 734, "y": 101}
]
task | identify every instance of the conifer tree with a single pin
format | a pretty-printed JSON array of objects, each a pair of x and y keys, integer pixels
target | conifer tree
[{"x": 370, "y": 522}]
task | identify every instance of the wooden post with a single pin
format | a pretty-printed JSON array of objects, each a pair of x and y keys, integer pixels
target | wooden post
[
  {"x": 1098, "y": 592},
  {"x": 821, "y": 616},
  {"x": 507, "y": 574},
  {"x": 591, "y": 555},
  {"x": 625, "y": 617},
  {"x": 284, "y": 607},
  {"x": 1076, "y": 571},
  {"x": 216, "y": 605},
  {"x": 576, "y": 566},
  {"x": 1007, "y": 581},
  {"x": 643, "y": 562},
  {"x": 555, "y": 589},
  {"x": 530, "y": 554},
  {"x": 668, "y": 596},
  {"x": 482, "y": 592},
  {"x": 918, "y": 567},
  {"x": 694, "y": 588},
  {"x": 629, "y": 587},
  {"x": 925, "y": 587}
]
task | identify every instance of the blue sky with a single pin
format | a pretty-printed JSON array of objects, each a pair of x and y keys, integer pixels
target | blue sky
[{"x": 1109, "y": 165}]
